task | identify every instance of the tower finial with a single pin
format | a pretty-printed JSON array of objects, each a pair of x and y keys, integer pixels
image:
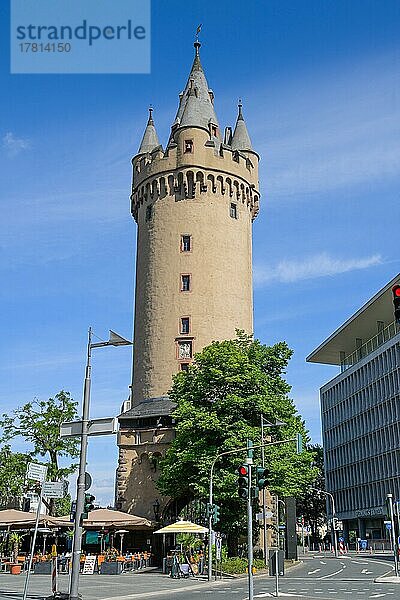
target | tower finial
[
  {"x": 150, "y": 121},
  {"x": 198, "y": 31},
  {"x": 240, "y": 105},
  {"x": 197, "y": 43}
]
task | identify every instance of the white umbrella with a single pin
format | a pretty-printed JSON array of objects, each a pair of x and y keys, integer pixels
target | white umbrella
[{"x": 183, "y": 527}]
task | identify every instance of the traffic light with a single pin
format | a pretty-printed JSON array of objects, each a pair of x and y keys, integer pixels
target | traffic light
[
  {"x": 243, "y": 481},
  {"x": 261, "y": 477},
  {"x": 396, "y": 302},
  {"x": 215, "y": 513},
  {"x": 299, "y": 443},
  {"x": 88, "y": 505},
  {"x": 73, "y": 511}
]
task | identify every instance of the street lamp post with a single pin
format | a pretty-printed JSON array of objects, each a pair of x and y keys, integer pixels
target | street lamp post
[
  {"x": 114, "y": 340},
  {"x": 333, "y": 528}
]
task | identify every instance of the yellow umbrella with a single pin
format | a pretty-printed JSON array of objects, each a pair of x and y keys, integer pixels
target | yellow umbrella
[{"x": 183, "y": 527}]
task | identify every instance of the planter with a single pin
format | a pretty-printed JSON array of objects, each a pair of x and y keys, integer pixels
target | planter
[
  {"x": 111, "y": 568},
  {"x": 15, "y": 569},
  {"x": 43, "y": 568}
]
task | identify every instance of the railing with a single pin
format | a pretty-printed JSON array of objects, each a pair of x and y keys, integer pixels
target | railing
[{"x": 372, "y": 344}]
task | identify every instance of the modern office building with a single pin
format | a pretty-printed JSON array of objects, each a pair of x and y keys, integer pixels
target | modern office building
[{"x": 360, "y": 410}]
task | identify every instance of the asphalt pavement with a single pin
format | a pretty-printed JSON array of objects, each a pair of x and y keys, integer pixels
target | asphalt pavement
[{"x": 318, "y": 576}]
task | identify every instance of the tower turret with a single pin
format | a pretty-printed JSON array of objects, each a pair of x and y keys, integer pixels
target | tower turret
[
  {"x": 241, "y": 138},
  {"x": 150, "y": 138},
  {"x": 194, "y": 205}
]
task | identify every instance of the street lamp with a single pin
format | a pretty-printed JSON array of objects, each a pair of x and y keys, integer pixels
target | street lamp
[
  {"x": 333, "y": 516},
  {"x": 265, "y": 423},
  {"x": 114, "y": 340}
]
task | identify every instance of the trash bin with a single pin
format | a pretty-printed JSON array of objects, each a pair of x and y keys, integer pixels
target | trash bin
[{"x": 272, "y": 562}]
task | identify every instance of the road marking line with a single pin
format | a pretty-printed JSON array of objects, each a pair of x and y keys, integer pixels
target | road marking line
[
  {"x": 311, "y": 572},
  {"x": 332, "y": 574}
]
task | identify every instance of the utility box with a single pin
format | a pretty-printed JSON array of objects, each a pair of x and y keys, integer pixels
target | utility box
[{"x": 272, "y": 562}]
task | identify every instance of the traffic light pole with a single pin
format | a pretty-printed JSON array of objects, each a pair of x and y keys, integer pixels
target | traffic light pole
[
  {"x": 249, "y": 461},
  {"x": 210, "y": 497}
]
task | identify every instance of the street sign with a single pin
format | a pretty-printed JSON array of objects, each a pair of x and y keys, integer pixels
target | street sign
[
  {"x": 388, "y": 525},
  {"x": 268, "y": 515},
  {"x": 89, "y": 565},
  {"x": 36, "y": 472},
  {"x": 104, "y": 426},
  {"x": 88, "y": 481},
  {"x": 53, "y": 489}
]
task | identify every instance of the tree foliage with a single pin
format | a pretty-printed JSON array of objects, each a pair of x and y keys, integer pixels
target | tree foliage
[
  {"x": 38, "y": 423},
  {"x": 220, "y": 400},
  {"x": 12, "y": 475}
]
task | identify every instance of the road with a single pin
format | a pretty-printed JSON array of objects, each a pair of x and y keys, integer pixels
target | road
[{"x": 317, "y": 577}]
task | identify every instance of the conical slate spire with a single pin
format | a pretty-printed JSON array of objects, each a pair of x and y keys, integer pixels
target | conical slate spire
[
  {"x": 150, "y": 138},
  {"x": 195, "y": 107},
  {"x": 241, "y": 138}
]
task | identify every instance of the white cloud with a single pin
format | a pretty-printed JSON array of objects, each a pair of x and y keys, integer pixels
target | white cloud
[
  {"x": 13, "y": 145},
  {"x": 319, "y": 265}
]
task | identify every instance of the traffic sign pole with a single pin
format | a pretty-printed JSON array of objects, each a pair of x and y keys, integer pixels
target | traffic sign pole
[
  {"x": 389, "y": 499},
  {"x": 28, "y": 574}
]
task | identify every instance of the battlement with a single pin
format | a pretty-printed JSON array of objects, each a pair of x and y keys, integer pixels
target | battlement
[{"x": 209, "y": 167}]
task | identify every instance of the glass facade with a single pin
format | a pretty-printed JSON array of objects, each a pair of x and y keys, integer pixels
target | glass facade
[{"x": 360, "y": 410}]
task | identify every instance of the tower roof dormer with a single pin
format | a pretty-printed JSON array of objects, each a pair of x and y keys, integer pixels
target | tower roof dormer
[
  {"x": 241, "y": 138},
  {"x": 196, "y": 107},
  {"x": 150, "y": 137}
]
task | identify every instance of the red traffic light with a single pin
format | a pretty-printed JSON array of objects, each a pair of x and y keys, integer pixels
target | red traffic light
[
  {"x": 243, "y": 470},
  {"x": 396, "y": 291}
]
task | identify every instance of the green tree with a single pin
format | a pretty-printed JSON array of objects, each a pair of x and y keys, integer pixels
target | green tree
[
  {"x": 38, "y": 423},
  {"x": 62, "y": 506},
  {"x": 313, "y": 505},
  {"x": 220, "y": 400},
  {"x": 12, "y": 475}
]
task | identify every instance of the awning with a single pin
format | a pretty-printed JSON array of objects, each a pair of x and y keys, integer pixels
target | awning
[{"x": 183, "y": 527}]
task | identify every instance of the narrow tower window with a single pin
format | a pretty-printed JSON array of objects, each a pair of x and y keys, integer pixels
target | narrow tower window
[
  {"x": 233, "y": 210},
  {"x": 149, "y": 212},
  {"x": 188, "y": 146},
  {"x": 186, "y": 243},
  {"x": 185, "y": 349},
  {"x": 185, "y": 325},
  {"x": 185, "y": 283}
]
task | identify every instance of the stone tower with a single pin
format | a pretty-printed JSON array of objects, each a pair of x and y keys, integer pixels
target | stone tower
[{"x": 194, "y": 204}]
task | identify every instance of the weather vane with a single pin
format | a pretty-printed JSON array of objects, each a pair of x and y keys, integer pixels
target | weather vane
[{"x": 197, "y": 32}]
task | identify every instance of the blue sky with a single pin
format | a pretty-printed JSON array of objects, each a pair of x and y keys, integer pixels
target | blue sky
[{"x": 320, "y": 86}]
